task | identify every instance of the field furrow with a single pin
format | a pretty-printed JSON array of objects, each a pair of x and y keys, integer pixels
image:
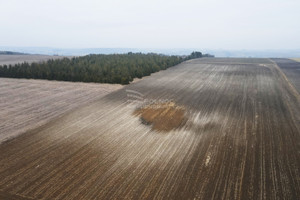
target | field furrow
[{"x": 240, "y": 139}]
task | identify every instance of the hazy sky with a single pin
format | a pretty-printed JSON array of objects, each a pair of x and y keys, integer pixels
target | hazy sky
[{"x": 213, "y": 24}]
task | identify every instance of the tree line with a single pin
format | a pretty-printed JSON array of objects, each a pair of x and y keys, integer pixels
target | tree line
[{"x": 114, "y": 68}]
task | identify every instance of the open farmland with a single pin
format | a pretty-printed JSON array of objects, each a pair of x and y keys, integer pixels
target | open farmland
[
  {"x": 296, "y": 59},
  {"x": 15, "y": 59},
  {"x": 240, "y": 140},
  {"x": 27, "y": 104},
  {"x": 291, "y": 69}
]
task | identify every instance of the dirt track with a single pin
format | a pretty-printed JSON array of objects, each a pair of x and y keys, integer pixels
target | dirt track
[
  {"x": 291, "y": 69},
  {"x": 241, "y": 141}
]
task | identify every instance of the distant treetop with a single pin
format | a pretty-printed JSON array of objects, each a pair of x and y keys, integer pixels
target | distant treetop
[{"x": 11, "y": 53}]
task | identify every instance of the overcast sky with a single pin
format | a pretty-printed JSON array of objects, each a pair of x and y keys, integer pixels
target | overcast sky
[{"x": 213, "y": 24}]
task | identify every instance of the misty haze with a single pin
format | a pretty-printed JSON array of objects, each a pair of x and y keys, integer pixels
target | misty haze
[{"x": 149, "y": 99}]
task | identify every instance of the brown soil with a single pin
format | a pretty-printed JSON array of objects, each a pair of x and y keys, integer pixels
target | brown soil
[
  {"x": 241, "y": 139},
  {"x": 162, "y": 116},
  {"x": 27, "y": 104}
]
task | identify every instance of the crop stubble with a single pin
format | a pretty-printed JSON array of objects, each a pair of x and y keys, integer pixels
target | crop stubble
[
  {"x": 26, "y": 104},
  {"x": 240, "y": 141}
]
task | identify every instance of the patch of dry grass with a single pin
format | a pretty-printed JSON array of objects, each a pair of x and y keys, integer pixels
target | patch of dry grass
[{"x": 162, "y": 116}]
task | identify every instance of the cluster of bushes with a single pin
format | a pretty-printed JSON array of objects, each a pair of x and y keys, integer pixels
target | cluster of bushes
[{"x": 115, "y": 68}]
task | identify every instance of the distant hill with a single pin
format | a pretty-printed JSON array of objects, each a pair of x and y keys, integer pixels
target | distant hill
[
  {"x": 87, "y": 51},
  {"x": 11, "y": 53},
  {"x": 280, "y": 53}
]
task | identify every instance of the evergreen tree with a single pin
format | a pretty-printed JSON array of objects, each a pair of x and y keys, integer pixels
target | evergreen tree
[{"x": 116, "y": 68}]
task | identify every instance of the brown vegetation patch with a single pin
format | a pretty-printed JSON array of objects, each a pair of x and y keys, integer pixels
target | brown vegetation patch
[{"x": 162, "y": 116}]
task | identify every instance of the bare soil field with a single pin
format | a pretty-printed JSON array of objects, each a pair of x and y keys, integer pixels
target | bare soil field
[
  {"x": 296, "y": 59},
  {"x": 240, "y": 140},
  {"x": 27, "y": 104},
  {"x": 291, "y": 69},
  {"x": 14, "y": 59}
]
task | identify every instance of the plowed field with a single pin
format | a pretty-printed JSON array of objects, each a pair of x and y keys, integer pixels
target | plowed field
[
  {"x": 240, "y": 140},
  {"x": 27, "y": 104}
]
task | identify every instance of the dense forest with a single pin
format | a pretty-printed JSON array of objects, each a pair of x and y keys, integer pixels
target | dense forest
[{"x": 114, "y": 68}]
